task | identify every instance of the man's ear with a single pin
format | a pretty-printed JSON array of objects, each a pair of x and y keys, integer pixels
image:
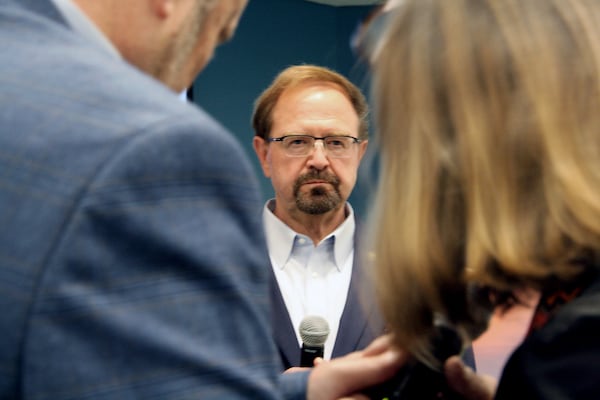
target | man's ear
[
  {"x": 163, "y": 8},
  {"x": 261, "y": 148},
  {"x": 363, "y": 148}
]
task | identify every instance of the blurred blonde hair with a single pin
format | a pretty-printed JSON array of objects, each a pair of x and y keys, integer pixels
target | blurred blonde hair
[{"x": 488, "y": 119}]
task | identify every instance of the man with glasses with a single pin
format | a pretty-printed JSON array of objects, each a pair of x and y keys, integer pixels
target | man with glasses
[{"x": 311, "y": 132}]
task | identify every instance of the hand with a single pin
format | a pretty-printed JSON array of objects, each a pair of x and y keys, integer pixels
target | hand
[
  {"x": 345, "y": 376},
  {"x": 298, "y": 369},
  {"x": 464, "y": 381}
]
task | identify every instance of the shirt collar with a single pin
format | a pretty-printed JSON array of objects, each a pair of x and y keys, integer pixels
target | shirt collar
[
  {"x": 280, "y": 238},
  {"x": 344, "y": 238},
  {"x": 81, "y": 24}
]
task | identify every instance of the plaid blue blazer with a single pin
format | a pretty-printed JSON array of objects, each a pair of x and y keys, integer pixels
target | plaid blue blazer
[{"x": 132, "y": 258}]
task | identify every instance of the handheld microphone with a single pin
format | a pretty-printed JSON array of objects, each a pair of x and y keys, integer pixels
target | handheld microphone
[
  {"x": 418, "y": 381},
  {"x": 313, "y": 331}
]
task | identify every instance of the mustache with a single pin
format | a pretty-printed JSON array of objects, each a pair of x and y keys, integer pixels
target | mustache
[{"x": 318, "y": 175}]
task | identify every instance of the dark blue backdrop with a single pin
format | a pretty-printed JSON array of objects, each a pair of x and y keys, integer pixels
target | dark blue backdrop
[{"x": 272, "y": 35}]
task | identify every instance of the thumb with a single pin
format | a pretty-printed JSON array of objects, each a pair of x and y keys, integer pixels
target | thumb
[{"x": 464, "y": 381}]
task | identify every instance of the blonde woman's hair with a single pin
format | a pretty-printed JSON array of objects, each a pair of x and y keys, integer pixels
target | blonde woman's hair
[{"x": 488, "y": 120}]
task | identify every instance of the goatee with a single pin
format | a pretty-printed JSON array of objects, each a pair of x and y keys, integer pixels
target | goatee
[{"x": 319, "y": 199}]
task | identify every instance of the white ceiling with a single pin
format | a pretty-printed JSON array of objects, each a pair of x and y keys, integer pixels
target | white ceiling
[{"x": 338, "y": 3}]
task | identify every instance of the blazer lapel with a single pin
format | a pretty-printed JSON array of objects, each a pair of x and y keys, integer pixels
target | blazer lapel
[
  {"x": 283, "y": 330},
  {"x": 361, "y": 322}
]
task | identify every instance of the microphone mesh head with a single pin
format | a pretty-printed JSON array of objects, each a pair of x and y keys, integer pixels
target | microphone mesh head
[{"x": 314, "y": 330}]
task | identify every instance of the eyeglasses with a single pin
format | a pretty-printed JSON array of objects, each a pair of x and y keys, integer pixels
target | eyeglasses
[{"x": 302, "y": 145}]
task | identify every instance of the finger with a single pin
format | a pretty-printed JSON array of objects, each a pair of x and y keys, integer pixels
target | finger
[
  {"x": 369, "y": 371},
  {"x": 379, "y": 345},
  {"x": 464, "y": 381},
  {"x": 355, "y": 397},
  {"x": 295, "y": 369},
  {"x": 318, "y": 360}
]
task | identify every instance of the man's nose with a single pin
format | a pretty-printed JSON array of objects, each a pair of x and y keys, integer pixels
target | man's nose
[{"x": 318, "y": 158}]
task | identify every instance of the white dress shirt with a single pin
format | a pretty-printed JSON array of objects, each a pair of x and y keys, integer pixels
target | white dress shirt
[{"x": 313, "y": 280}]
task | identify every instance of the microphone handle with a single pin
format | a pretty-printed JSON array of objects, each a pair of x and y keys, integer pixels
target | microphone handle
[{"x": 309, "y": 353}]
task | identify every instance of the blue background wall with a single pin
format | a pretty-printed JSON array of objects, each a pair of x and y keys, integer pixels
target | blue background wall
[{"x": 272, "y": 35}]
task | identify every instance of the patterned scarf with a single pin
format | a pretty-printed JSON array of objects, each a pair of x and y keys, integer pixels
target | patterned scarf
[{"x": 551, "y": 301}]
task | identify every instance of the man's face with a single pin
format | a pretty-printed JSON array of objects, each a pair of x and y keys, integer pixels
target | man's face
[
  {"x": 316, "y": 183},
  {"x": 192, "y": 46}
]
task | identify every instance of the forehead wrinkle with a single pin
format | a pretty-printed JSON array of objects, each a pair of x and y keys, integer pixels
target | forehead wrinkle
[
  {"x": 313, "y": 122},
  {"x": 315, "y": 108}
]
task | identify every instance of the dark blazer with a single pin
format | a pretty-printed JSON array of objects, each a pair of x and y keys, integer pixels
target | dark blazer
[
  {"x": 359, "y": 325},
  {"x": 131, "y": 247},
  {"x": 560, "y": 360}
]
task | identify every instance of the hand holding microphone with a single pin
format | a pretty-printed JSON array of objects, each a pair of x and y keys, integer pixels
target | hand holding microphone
[
  {"x": 313, "y": 332},
  {"x": 414, "y": 381}
]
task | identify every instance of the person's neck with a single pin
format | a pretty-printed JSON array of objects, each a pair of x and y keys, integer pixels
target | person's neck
[
  {"x": 316, "y": 227},
  {"x": 82, "y": 21}
]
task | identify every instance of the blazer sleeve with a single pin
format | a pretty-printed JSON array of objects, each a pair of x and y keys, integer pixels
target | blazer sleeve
[
  {"x": 293, "y": 385},
  {"x": 157, "y": 287}
]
